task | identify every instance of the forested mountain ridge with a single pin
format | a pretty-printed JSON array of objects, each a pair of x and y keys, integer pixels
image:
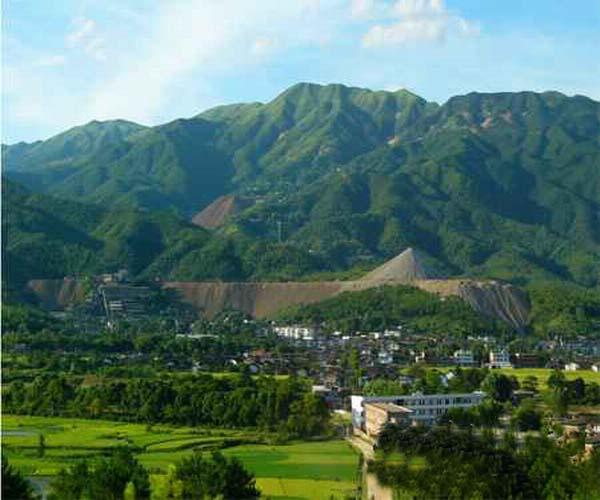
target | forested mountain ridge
[
  {"x": 48, "y": 237},
  {"x": 502, "y": 185}
]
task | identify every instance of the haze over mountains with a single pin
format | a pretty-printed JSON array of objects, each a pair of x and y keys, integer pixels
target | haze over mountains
[{"x": 500, "y": 185}]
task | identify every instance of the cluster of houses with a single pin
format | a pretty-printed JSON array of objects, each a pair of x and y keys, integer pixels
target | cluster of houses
[{"x": 400, "y": 347}]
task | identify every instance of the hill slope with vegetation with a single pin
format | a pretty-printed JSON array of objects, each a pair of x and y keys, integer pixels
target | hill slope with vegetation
[
  {"x": 48, "y": 237},
  {"x": 500, "y": 185}
]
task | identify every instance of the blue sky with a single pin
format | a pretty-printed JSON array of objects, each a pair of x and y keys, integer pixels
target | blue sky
[{"x": 66, "y": 62}]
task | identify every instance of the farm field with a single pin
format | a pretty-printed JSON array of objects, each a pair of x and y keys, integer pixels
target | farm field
[
  {"x": 298, "y": 470},
  {"x": 542, "y": 374}
]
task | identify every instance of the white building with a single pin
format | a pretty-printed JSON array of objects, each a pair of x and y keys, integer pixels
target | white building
[
  {"x": 385, "y": 358},
  {"x": 500, "y": 359},
  {"x": 463, "y": 357},
  {"x": 571, "y": 367},
  {"x": 426, "y": 408},
  {"x": 295, "y": 332},
  {"x": 421, "y": 357}
]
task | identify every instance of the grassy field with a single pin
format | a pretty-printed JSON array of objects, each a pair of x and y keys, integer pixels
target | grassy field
[
  {"x": 300, "y": 470},
  {"x": 542, "y": 374}
]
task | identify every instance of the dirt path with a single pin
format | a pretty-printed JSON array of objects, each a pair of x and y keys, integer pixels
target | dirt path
[{"x": 375, "y": 491}]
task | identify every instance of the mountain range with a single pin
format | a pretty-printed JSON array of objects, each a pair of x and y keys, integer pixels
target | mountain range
[{"x": 333, "y": 180}]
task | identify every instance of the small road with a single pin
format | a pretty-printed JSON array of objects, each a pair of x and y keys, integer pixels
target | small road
[
  {"x": 363, "y": 446},
  {"x": 375, "y": 491}
]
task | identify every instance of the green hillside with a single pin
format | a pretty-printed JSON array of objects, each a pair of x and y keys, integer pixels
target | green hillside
[
  {"x": 502, "y": 185},
  {"x": 48, "y": 237}
]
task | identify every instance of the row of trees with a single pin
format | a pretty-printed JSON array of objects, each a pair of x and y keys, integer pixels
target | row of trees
[
  {"x": 238, "y": 401},
  {"x": 120, "y": 476},
  {"x": 571, "y": 392},
  {"x": 461, "y": 464}
]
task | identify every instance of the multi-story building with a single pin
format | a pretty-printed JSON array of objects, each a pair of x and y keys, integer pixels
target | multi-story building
[
  {"x": 525, "y": 360},
  {"x": 463, "y": 357},
  {"x": 500, "y": 359},
  {"x": 425, "y": 408},
  {"x": 378, "y": 415},
  {"x": 385, "y": 358},
  {"x": 295, "y": 332}
]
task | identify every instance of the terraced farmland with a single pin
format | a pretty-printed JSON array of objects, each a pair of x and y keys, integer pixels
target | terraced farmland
[{"x": 318, "y": 469}]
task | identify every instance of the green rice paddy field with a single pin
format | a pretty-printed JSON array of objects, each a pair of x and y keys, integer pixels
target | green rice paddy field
[{"x": 299, "y": 470}]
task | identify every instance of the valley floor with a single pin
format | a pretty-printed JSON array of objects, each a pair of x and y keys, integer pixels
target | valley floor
[{"x": 299, "y": 470}]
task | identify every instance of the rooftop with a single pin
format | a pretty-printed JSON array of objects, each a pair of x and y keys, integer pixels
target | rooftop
[{"x": 389, "y": 407}]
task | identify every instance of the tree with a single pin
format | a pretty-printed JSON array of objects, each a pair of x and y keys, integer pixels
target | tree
[
  {"x": 108, "y": 480},
  {"x": 309, "y": 416},
  {"x": 576, "y": 389},
  {"x": 530, "y": 383},
  {"x": 489, "y": 413},
  {"x": 170, "y": 488},
  {"x": 69, "y": 484},
  {"x": 527, "y": 418},
  {"x": 498, "y": 386},
  {"x": 559, "y": 401},
  {"x": 41, "y": 445},
  {"x": 215, "y": 476},
  {"x": 556, "y": 379},
  {"x": 14, "y": 485}
]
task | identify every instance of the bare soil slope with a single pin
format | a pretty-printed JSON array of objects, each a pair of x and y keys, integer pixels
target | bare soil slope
[
  {"x": 406, "y": 267},
  {"x": 57, "y": 294},
  {"x": 216, "y": 214},
  {"x": 261, "y": 299}
]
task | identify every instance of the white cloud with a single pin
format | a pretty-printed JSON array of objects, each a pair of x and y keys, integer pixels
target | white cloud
[
  {"x": 204, "y": 37},
  {"x": 82, "y": 29},
  {"x": 417, "y": 21},
  {"x": 262, "y": 46},
  {"x": 362, "y": 9},
  {"x": 51, "y": 60},
  {"x": 84, "y": 36}
]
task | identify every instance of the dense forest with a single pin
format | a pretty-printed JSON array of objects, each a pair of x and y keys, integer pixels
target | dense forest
[
  {"x": 557, "y": 310},
  {"x": 47, "y": 237},
  {"x": 386, "y": 307},
  {"x": 564, "y": 310},
  {"x": 500, "y": 185},
  {"x": 463, "y": 464},
  {"x": 266, "y": 403}
]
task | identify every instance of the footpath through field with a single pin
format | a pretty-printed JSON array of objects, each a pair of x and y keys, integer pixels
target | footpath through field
[{"x": 375, "y": 491}]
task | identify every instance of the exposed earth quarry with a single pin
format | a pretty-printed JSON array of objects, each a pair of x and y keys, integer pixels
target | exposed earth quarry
[
  {"x": 219, "y": 211},
  {"x": 262, "y": 299}
]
